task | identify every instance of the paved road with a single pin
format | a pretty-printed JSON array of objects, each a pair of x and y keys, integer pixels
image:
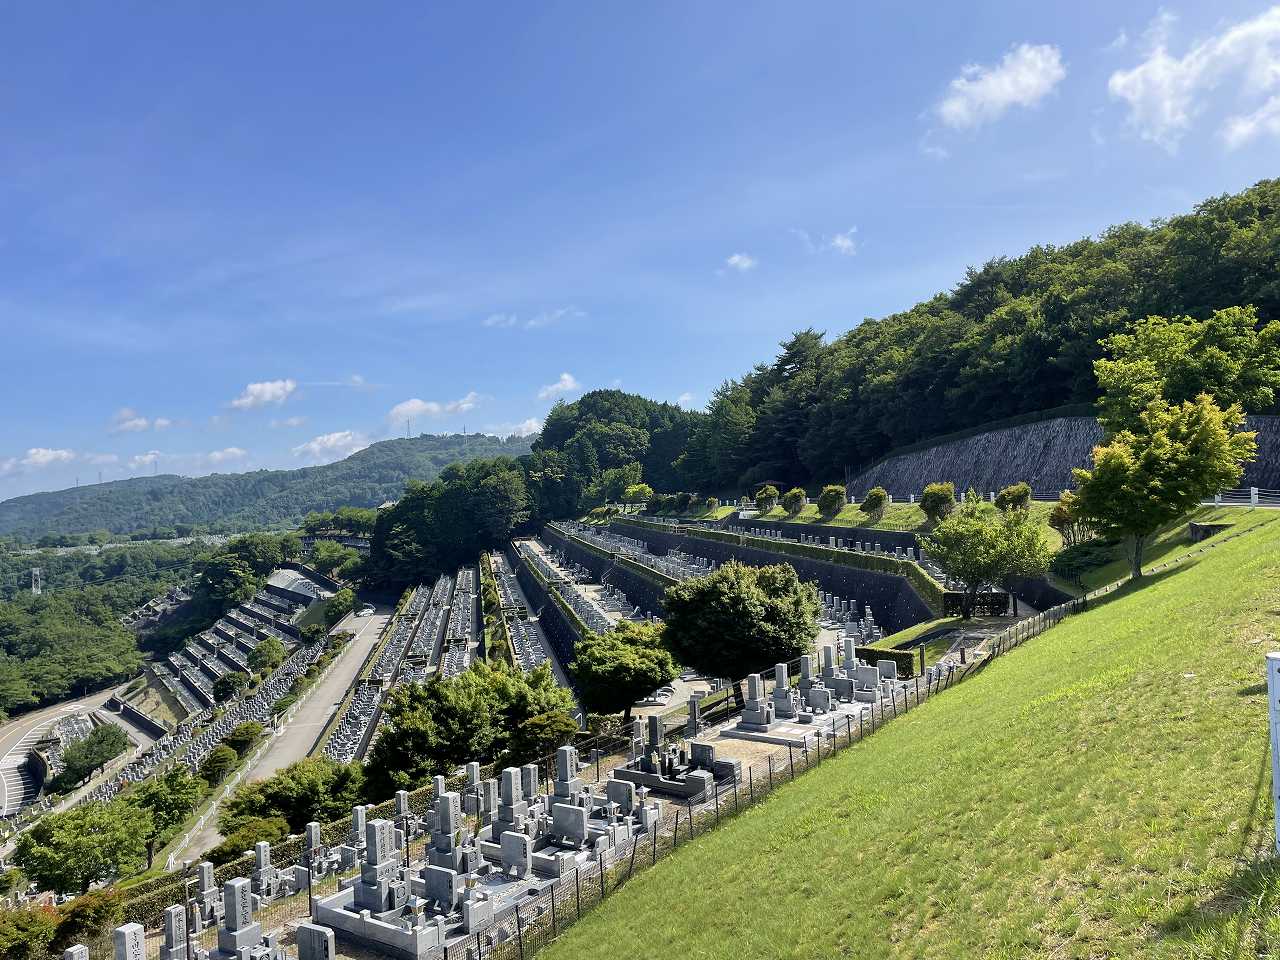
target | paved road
[
  {"x": 295, "y": 740},
  {"x": 18, "y": 736}
]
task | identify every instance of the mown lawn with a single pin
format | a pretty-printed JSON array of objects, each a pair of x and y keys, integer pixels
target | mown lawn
[{"x": 1101, "y": 791}]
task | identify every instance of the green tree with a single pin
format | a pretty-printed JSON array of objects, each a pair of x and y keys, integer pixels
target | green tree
[
  {"x": 1065, "y": 518},
  {"x": 766, "y": 498},
  {"x": 248, "y": 833},
  {"x": 637, "y": 493},
  {"x": 339, "y": 605},
  {"x": 832, "y": 500},
  {"x": 1178, "y": 455},
  {"x": 68, "y": 851},
  {"x": 616, "y": 668},
  {"x": 85, "y": 757},
  {"x": 316, "y": 788},
  {"x": 539, "y": 736},
  {"x": 88, "y": 917},
  {"x": 169, "y": 798},
  {"x": 267, "y": 655},
  {"x": 327, "y": 556},
  {"x": 1016, "y": 496},
  {"x": 712, "y": 504},
  {"x": 243, "y": 736},
  {"x": 793, "y": 500},
  {"x": 220, "y": 761},
  {"x": 875, "y": 503},
  {"x": 1231, "y": 356},
  {"x": 228, "y": 686},
  {"x": 981, "y": 547},
  {"x": 27, "y": 933},
  {"x": 740, "y": 619},
  {"x": 938, "y": 500}
]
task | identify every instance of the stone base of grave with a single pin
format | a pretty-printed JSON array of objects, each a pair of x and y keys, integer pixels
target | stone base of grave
[
  {"x": 696, "y": 782},
  {"x": 363, "y": 929},
  {"x": 230, "y": 941},
  {"x": 781, "y": 735}
]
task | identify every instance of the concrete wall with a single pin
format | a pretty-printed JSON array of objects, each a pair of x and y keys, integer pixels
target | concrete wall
[
  {"x": 1042, "y": 454},
  {"x": 641, "y": 591},
  {"x": 886, "y": 538},
  {"x": 557, "y": 627},
  {"x": 892, "y": 599}
]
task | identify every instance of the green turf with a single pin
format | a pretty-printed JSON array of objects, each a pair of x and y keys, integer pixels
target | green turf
[{"x": 1101, "y": 791}]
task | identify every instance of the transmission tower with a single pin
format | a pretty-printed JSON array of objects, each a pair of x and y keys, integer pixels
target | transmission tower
[{"x": 37, "y": 581}]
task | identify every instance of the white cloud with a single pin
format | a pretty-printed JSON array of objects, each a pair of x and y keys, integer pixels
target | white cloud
[
  {"x": 1119, "y": 43},
  {"x": 289, "y": 422},
  {"x": 8, "y": 465},
  {"x": 127, "y": 420},
  {"x": 1265, "y": 120},
  {"x": 332, "y": 446},
  {"x": 844, "y": 244},
  {"x": 226, "y": 454},
  {"x": 260, "y": 394},
  {"x": 548, "y": 317},
  {"x": 501, "y": 320},
  {"x": 742, "y": 262},
  {"x": 45, "y": 457},
  {"x": 981, "y": 94},
  {"x": 417, "y": 409},
  {"x": 525, "y": 428},
  {"x": 101, "y": 459},
  {"x": 685, "y": 399},
  {"x": 1165, "y": 93},
  {"x": 566, "y": 384},
  {"x": 144, "y": 459}
]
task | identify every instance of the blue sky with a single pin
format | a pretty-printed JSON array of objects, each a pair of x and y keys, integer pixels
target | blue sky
[{"x": 236, "y": 237}]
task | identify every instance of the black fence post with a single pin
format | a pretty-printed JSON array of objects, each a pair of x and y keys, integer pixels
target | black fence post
[
  {"x": 770, "y": 759},
  {"x": 577, "y": 892},
  {"x": 519, "y": 932},
  {"x": 555, "y": 929},
  {"x": 791, "y": 759},
  {"x": 600, "y": 865}
]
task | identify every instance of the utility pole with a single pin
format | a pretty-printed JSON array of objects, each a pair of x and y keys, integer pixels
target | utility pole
[{"x": 37, "y": 581}]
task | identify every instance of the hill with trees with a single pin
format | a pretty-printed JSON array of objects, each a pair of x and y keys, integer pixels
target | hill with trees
[{"x": 244, "y": 501}]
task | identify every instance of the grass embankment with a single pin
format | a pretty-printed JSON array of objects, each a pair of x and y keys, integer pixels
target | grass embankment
[{"x": 1100, "y": 791}]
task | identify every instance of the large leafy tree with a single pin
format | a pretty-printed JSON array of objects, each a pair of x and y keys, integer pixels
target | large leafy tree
[
  {"x": 316, "y": 788},
  {"x": 1230, "y": 355},
  {"x": 434, "y": 727},
  {"x": 168, "y": 798},
  {"x": 87, "y": 756},
  {"x": 982, "y": 547},
  {"x": 1146, "y": 477},
  {"x": 616, "y": 668},
  {"x": 740, "y": 619},
  {"x": 67, "y": 852}
]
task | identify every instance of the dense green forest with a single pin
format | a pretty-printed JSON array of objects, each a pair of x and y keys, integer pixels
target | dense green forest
[
  {"x": 244, "y": 501},
  {"x": 123, "y": 577},
  {"x": 1016, "y": 336}
]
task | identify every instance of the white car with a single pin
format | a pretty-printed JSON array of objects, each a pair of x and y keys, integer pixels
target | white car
[{"x": 365, "y": 611}]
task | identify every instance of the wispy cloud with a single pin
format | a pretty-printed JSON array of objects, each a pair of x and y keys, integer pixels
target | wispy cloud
[
  {"x": 288, "y": 423},
  {"x": 332, "y": 446},
  {"x": 414, "y": 409},
  {"x": 544, "y": 318},
  {"x": 984, "y": 93},
  {"x": 1165, "y": 94},
  {"x": 566, "y": 384},
  {"x": 742, "y": 262},
  {"x": 38, "y": 457},
  {"x": 525, "y": 428},
  {"x": 128, "y": 420},
  {"x": 226, "y": 454},
  {"x": 685, "y": 400},
  {"x": 140, "y": 460},
  {"x": 263, "y": 393}
]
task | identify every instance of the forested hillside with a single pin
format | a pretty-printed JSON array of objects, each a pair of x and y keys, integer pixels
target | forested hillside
[
  {"x": 244, "y": 501},
  {"x": 1016, "y": 336}
]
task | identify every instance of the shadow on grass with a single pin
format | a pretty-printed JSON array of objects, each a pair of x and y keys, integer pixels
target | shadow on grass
[
  {"x": 1131, "y": 587},
  {"x": 1234, "y": 918},
  {"x": 1253, "y": 690}
]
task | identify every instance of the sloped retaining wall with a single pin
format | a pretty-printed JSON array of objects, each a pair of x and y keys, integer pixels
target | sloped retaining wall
[
  {"x": 893, "y": 601},
  {"x": 889, "y": 539}
]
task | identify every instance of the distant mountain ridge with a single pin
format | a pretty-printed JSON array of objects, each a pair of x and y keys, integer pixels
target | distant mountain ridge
[{"x": 242, "y": 501}]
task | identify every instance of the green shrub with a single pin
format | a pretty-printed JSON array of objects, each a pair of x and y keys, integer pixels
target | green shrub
[
  {"x": 712, "y": 503},
  {"x": 1072, "y": 563},
  {"x": 1016, "y": 496},
  {"x": 875, "y": 502},
  {"x": 766, "y": 498},
  {"x": 220, "y": 761},
  {"x": 793, "y": 500},
  {"x": 832, "y": 500},
  {"x": 938, "y": 500},
  {"x": 243, "y": 736}
]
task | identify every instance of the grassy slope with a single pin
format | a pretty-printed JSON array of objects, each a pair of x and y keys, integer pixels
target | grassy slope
[{"x": 1101, "y": 791}]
